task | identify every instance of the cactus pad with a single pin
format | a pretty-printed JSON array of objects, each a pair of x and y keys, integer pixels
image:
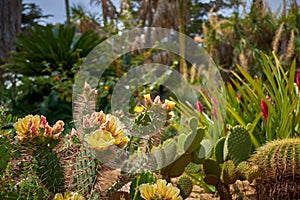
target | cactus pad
[
  {"x": 238, "y": 143},
  {"x": 185, "y": 185},
  {"x": 229, "y": 173},
  {"x": 49, "y": 171},
  {"x": 219, "y": 150}
]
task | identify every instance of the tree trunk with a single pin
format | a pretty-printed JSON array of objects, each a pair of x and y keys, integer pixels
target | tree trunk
[{"x": 10, "y": 25}]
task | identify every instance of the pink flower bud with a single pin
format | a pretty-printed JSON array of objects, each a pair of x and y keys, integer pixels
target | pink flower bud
[
  {"x": 44, "y": 122},
  {"x": 199, "y": 107},
  {"x": 264, "y": 109},
  {"x": 34, "y": 132}
]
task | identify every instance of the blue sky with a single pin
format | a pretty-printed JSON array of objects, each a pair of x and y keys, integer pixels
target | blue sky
[{"x": 57, "y": 7}]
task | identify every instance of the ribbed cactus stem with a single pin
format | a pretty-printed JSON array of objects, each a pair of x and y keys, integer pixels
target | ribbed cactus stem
[{"x": 278, "y": 163}]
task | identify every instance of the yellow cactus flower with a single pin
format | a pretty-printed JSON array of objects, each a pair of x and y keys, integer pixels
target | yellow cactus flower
[
  {"x": 138, "y": 109},
  {"x": 160, "y": 190},
  {"x": 100, "y": 139},
  {"x": 24, "y": 125},
  {"x": 161, "y": 187},
  {"x": 169, "y": 105},
  {"x": 68, "y": 196},
  {"x": 58, "y": 127},
  {"x": 172, "y": 192},
  {"x": 148, "y": 99},
  {"x": 148, "y": 191},
  {"x": 111, "y": 124},
  {"x": 121, "y": 140}
]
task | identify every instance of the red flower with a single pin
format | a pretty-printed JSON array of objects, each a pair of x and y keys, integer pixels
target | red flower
[
  {"x": 298, "y": 79},
  {"x": 199, "y": 107},
  {"x": 264, "y": 109}
]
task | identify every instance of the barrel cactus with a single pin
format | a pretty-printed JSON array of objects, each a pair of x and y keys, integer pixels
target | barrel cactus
[{"x": 278, "y": 164}]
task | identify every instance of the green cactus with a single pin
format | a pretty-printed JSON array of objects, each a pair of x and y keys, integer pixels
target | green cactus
[
  {"x": 193, "y": 140},
  {"x": 170, "y": 150},
  {"x": 193, "y": 168},
  {"x": 174, "y": 155},
  {"x": 85, "y": 174},
  {"x": 237, "y": 145},
  {"x": 220, "y": 177},
  {"x": 202, "y": 152},
  {"x": 278, "y": 164},
  {"x": 177, "y": 167},
  {"x": 185, "y": 184},
  {"x": 49, "y": 169},
  {"x": 229, "y": 173},
  {"x": 245, "y": 170},
  {"x": 219, "y": 150},
  {"x": 211, "y": 167}
]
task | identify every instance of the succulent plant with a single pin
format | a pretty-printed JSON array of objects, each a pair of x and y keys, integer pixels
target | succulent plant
[
  {"x": 193, "y": 168},
  {"x": 85, "y": 174},
  {"x": 178, "y": 152},
  {"x": 80, "y": 166},
  {"x": 229, "y": 151},
  {"x": 237, "y": 145},
  {"x": 185, "y": 184},
  {"x": 220, "y": 176},
  {"x": 277, "y": 167},
  {"x": 35, "y": 141},
  {"x": 49, "y": 169}
]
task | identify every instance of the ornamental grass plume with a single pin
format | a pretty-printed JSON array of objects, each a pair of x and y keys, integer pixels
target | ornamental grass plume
[{"x": 161, "y": 190}]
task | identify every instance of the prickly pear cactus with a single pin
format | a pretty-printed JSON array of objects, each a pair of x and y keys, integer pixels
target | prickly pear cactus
[
  {"x": 213, "y": 176},
  {"x": 49, "y": 171},
  {"x": 278, "y": 164},
  {"x": 80, "y": 167},
  {"x": 185, "y": 184},
  {"x": 85, "y": 174},
  {"x": 247, "y": 171},
  {"x": 219, "y": 150},
  {"x": 229, "y": 173},
  {"x": 174, "y": 155},
  {"x": 237, "y": 145},
  {"x": 193, "y": 168}
]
